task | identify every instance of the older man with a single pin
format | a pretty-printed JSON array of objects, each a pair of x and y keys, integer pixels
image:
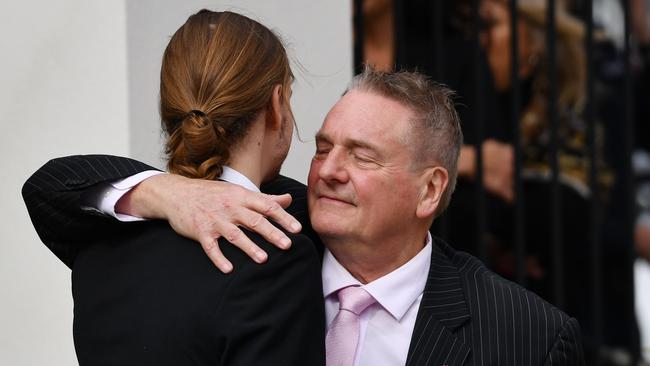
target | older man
[{"x": 384, "y": 167}]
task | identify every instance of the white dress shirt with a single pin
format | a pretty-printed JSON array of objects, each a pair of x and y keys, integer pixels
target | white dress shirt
[
  {"x": 386, "y": 326},
  {"x": 112, "y": 192}
]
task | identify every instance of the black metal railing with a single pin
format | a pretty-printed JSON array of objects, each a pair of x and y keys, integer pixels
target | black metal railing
[
  {"x": 556, "y": 221},
  {"x": 627, "y": 174},
  {"x": 595, "y": 216}
]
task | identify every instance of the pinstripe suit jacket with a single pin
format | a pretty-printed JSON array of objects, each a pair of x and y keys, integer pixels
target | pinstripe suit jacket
[
  {"x": 144, "y": 295},
  {"x": 468, "y": 314},
  {"x": 471, "y": 316}
]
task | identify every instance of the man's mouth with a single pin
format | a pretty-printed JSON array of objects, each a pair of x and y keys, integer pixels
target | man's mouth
[{"x": 334, "y": 199}]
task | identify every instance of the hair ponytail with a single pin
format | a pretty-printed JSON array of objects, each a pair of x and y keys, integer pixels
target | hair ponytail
[
  {"x": 218, "y": 72},
  {"x": 198, "y": 148}
]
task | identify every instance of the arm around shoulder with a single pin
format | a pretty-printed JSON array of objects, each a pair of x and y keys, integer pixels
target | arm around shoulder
[{"x": 54, "y": 198}]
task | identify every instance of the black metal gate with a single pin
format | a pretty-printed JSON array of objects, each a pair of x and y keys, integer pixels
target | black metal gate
[{"x": 437, "y": 36}]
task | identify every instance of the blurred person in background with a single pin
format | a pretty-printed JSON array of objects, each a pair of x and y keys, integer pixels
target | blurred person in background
[
  {"x": 572, "y": 153},
  {"x": 456, "y": 67}
]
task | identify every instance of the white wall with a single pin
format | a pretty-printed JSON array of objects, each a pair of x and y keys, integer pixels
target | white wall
[
  {"x": 82, "y": 77},
  {"x": 62, "y": 91}
]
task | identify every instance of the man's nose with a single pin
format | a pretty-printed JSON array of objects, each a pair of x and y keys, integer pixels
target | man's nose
[{"x": 333, "y": 168}]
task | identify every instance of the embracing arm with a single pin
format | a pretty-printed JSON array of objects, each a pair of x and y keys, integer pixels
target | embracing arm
[
  {"x": 55, "y": 196},
  {"x": 567, "y": 348},
  {"x": 276, "y": 312},
  {"x": 58, "y": 196}
]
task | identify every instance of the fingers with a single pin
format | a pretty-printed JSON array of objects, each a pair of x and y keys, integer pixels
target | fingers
[
  {"x": 235, "y": 236},
  {"x": 283, "y": 199},
  {"x": 262, "y": 226},
  {"x": 209, "y": 210},
  {"x": 271, "y": 208},
  {"x": 211, "y": 248},
  {"x": 252, "y": 212}
]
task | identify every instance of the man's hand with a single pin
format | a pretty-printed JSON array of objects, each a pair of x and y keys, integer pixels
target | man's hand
[{"x": 205, "y": 210}]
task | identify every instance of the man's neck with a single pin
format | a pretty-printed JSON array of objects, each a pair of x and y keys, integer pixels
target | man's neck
[
  {"x": 248, "y": 170},
  {"x": 370, "y": 261},
  {"x": 246, "y": 157}
]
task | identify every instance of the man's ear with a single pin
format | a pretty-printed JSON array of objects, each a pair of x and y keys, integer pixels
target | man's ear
[
  {"x": 434, "y": 185},
  {"x": 274, "y": 111}
]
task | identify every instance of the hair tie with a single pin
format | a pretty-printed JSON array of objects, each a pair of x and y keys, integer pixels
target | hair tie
[{"x": 196, "y": 112}]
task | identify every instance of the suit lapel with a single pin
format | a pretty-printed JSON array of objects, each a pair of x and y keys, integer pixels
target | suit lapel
[{"x": 443, "y": 309}]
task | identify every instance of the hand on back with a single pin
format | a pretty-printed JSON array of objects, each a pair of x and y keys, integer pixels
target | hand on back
[{"x": 205, "y": 210}]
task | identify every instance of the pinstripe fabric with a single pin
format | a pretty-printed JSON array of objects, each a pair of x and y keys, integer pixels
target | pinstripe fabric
[
  {"x": 471, "y": 316},
  {"x": 468, "y": 315},
  {"x": 54, "y": 196}
]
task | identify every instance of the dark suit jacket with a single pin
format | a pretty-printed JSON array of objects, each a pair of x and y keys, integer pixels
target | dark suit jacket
[
  {"x": 468, "y": 314},
  {"x": 144, "y": 295},
  {"x": 471, "y": 316}
]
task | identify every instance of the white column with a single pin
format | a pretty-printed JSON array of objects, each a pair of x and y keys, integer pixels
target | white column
[{"x": 63, "y": 82}]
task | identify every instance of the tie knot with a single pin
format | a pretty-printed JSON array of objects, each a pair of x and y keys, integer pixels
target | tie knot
[{"x": 355, "y": 299}]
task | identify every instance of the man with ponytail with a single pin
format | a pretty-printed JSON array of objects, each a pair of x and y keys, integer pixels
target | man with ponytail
[{"x": 144, "y": 295}]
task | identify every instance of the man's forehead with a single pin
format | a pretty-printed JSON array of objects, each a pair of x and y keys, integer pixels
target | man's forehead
[
  {"x": 371, "y": 103},
  {"x": 349, "y": 140},
  {"x": 365, "y": 116}
]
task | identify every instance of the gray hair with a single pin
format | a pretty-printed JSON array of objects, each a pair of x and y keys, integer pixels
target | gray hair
[{"x": 435, "y": 135}]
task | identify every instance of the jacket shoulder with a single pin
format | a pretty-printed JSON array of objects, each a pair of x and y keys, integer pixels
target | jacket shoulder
[
  {"x": 490, "y": 285},
  {"x": 505, "y": 315}
]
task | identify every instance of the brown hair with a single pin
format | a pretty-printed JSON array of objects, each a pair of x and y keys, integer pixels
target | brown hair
[
  {"x": 218, "y": 72},
  {"x": 435, "y": 134}
]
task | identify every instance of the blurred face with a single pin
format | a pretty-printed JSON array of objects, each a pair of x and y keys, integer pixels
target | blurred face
[
  {"x": 361, "y": 185},
  {"x": 496, "y": 40}
]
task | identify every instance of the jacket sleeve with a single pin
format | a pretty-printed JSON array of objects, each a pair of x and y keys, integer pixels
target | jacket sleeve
[
  {"x": 567, "y": 348},
  {"x": 276, "y": 310},
  {"x": 54, "y": 197}
]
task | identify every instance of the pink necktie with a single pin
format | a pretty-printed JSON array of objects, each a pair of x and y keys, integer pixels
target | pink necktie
[{"x": 343, "y": 335}]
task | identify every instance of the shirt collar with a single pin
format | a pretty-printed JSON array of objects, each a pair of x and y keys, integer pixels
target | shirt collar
[
  {"x": 395, "y": 291},
  {"x": 230, "y": 175}
]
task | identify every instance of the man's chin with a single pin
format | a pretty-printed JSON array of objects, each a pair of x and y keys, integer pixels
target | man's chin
[
  {"x": 327, "y": 234},
  {"x": 327, "y": 224}
]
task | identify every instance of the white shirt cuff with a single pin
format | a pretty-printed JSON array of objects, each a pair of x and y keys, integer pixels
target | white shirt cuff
[{"x": 109, "y": 195}]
